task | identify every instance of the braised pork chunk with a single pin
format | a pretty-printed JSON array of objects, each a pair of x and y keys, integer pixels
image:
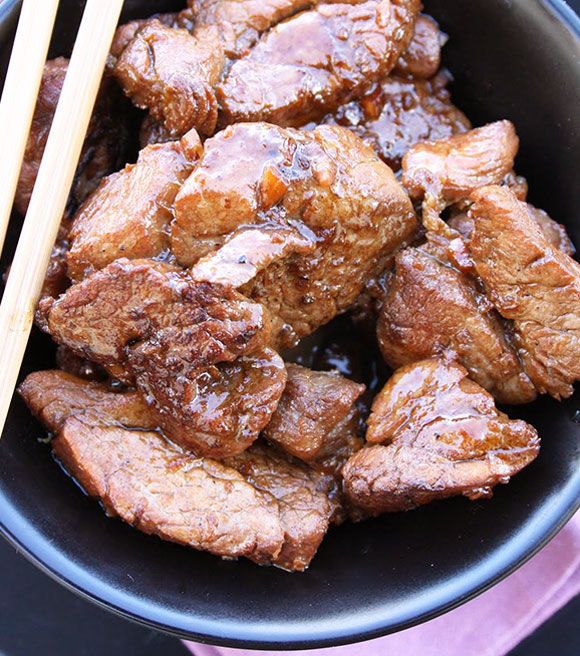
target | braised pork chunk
[
  {"x": 129, "y": 214},
  {"x": 326, "y": 180},
  {"x": 422, "y": 57},
  {"x": 431, "y": 308},
  {"x": 532, "y": 283},
  {"x": 317, "y": 419},
  {"x": 436, "y": 434},
  {"x": 343, "y": 50},
  {"x": 197, "y": 351}
]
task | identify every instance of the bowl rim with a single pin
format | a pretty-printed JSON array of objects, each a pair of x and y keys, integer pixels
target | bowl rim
[{"x": 48, "y": 558}]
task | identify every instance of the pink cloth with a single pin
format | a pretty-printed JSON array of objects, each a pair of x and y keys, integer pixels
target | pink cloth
[{"x": 510, "y": 611}]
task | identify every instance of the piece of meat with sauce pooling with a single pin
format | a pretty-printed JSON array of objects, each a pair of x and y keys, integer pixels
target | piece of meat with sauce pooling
[
  {"x": 326, "y": 180},
  {"x": 129, "y": 213},
  {"x": 436, "y": 434},
  {"x": 313, "y": 63},
  {"x": 533, "y": 284},
  {"x": 293, "y": 526},
  {"x": 196, "y": 350},
  {"x": 399, "y": 113},
  {"x": 317, "y": 418}
]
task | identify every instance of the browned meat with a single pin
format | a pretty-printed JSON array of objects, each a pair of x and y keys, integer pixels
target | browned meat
[
  {"x": 399, "y": 113},
  {"x": 437, "y": 435},
  {"x": 126, "y": 33},
  {"x": 241, "y": 22},
  {"x": 450, "y": 169},
  {"x": 432, "y": 308},
  {"x": 422, "y": 57},
  {"x": 128, "y": 215},
  {"x": 71, "y": 363},
  {"x": 532, "y": 283},
  {"x": 55, "y": 395},
  {"x": 154, "y": 486},
  {"x": 259, "y": 173},
  {"x": 104, "y": 147},
  {"x": 194, "y": 349},
  {"x": 554, "y": 233},
  {"x": 171, "y": 73},
  {"x": 317, "y": 419},
  {"x": 344, "y": 49},
  {"x": 307, "y": 500}
]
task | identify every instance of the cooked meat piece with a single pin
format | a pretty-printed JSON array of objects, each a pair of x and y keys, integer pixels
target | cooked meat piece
[
  {"x": 194, "y": 349},
  {"x": 307, "y": 500},
  {"x": 555, "y": 233},
  {"x": 437, "y": 434},
  {"x": 344, "y": 49},
  {"x": 54, "y": 395},
  {"x": 422, "y": 57},
  {"x": 399, "y": 113},
  {"x": 104, "y": 147},
  {"x": 250, "y": 250},
  {"x": 171, "y": 73},
  {"x": 317, "y": 419},
  {"x": 432, "y": 308},
  {"x": 327, "y": 179},
  {"x": 71, "y": 363},
  {"x": 532, "y": 283},
  {"x": 129, "y": 213},
  {"x": 450, "y": 169},
  {"x": 241, "y": 22},
  {"x": 157, "y": 488},
  {"x": 517, "y": 183},
  {"x": 126, "y": 33}
]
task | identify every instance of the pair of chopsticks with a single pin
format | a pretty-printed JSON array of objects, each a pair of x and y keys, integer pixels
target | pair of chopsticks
[{"x": 59, "y": 161}]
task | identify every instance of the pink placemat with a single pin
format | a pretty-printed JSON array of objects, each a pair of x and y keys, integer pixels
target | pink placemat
[{"x": 509, "y": 612}]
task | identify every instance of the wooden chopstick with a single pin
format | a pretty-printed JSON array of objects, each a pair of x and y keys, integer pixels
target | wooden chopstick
[
  {"x": 52, "y": 187},
  {"x": 19, "y": 95}
]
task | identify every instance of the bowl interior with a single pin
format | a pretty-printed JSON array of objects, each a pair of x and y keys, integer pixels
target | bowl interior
[{"x": 391, "y": 572}]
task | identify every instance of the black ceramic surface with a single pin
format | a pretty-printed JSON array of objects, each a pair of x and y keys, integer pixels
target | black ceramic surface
[{"x": 516, "y": 59}]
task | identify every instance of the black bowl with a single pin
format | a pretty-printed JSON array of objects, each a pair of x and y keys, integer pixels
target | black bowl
[{"x": 515, "y": 60}]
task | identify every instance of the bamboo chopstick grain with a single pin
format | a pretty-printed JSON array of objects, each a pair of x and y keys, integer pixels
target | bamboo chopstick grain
[
  {"x": 19, "y": 95},
  {"x": 52, "y": 187}
]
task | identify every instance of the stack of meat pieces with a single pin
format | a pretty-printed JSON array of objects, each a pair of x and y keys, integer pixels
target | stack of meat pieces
[{"x": 300, "y": 160}]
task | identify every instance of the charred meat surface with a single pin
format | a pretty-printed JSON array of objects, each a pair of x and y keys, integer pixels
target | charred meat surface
[
  {"x": 129, "y": 213},
  {"x": 450, "y": 169},
  {"x": 104, "y": 146},
  {"x": 399, "y": 113},
  {"x": 326, "y": 179},
  {"x": 436, "y": 434},
  {"x": 313, "y": 63},
  {"x": 532, "y": 283},
  {"x": 197, "y": 351},
  {"x": 317, "y": 419},
  {"x": 171, "y": 73},
  {"x": 431, "y": 308}
]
